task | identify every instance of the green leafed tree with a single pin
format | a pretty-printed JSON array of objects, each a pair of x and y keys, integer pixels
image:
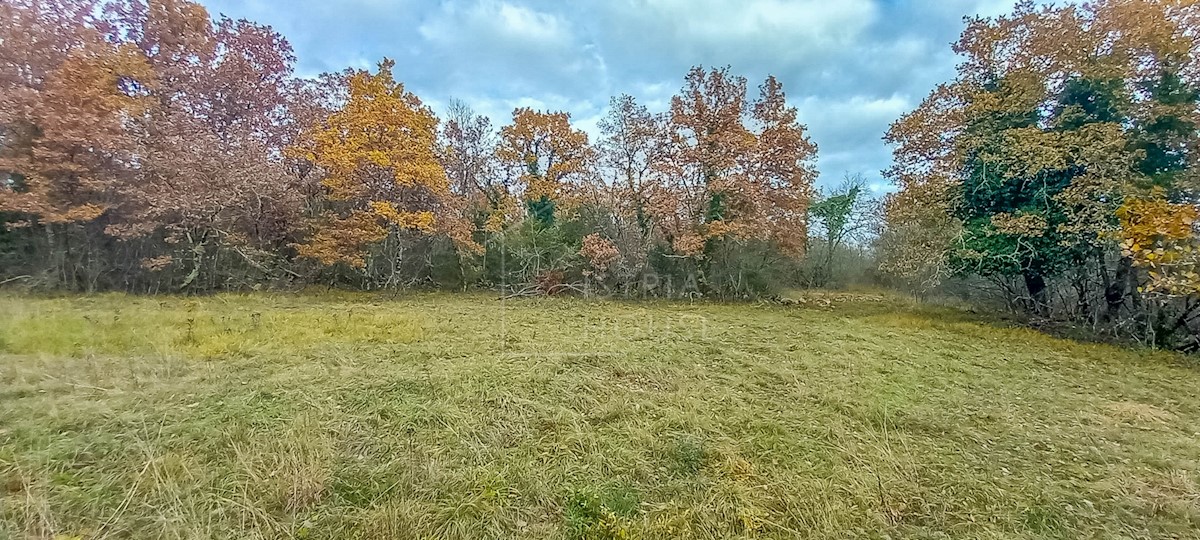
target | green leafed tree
[{"x": 1029, "y": 167}]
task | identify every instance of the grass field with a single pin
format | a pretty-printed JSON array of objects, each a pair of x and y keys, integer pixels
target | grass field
[{"x": 462, "y": 416}]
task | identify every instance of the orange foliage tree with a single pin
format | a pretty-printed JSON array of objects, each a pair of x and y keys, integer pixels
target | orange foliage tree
[
  {"x": 545, "y": 155},
  {"x": 64, "y": 158},
  {"x": 382, "y": 177},
  {"x": 72, "y": 109},
  {"x": 734, "y": 182}
]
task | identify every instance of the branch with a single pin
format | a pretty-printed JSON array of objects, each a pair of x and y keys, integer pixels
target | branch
[
  {"x": 259, "y": 266},
  {"x": 11, "y": 279}
]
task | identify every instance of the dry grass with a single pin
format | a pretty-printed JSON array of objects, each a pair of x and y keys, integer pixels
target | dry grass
[{"x": 460, "y": 416}]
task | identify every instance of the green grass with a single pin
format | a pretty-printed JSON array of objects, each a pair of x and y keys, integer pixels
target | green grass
[{"x": 461, "y": 416}]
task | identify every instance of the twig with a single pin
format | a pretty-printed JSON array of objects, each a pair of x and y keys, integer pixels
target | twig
[
  {"x": 259, "y": 266},
  {"x": 530, "y": 290},
  {"x": 14, "y": 279},
  {"x": 90, "y": 387}
]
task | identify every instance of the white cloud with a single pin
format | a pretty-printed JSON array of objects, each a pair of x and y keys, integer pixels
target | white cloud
[
  {"x": 489, "y": 20},
  {"x": 500, "y": 109},
  {"x": 881, "y": 188},
  {"x": 522, "y": 23},
  {"x": 799, "y": 21}
]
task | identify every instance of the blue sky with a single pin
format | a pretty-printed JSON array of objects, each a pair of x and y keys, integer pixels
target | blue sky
[{"x": 850, "y": 66}]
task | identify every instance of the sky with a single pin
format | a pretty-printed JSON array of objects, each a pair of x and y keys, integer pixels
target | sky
[{"x": 851, "y": 67}]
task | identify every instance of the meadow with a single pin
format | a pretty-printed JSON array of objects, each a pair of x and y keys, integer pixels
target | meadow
[{"x": 465, "y": 416}]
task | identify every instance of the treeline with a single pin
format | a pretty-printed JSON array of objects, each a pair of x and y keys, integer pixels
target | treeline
[
  {"x": 145, "y": 147},
  {"x": 1058, "y": 170}
]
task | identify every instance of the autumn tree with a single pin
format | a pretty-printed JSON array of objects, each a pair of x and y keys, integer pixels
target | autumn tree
[
  {"x": 178, "y": 122},
  {"x": 781, "y": 171},
  {"x": 736, "y": 181},
  {"x": 73, "y": 106},
  {"x": 466, "y": 149},
  {"x": 743, "y": 170},
  {"x": 383, "y": 180},
  {"x": 634, "y": 153},
  {"x": 635, "y": 150},
  {"x": 712, "y": 140},
  {"x": 60, "y": 166},
  {"x": 1019, "y": 168},
  {"x": 544, "y": 155},
  {"x": 212, "y": 182}
]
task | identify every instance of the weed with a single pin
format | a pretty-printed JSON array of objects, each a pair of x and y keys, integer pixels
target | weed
[{"x": 600, "y": 515}]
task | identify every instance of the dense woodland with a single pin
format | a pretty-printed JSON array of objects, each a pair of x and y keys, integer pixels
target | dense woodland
[{"x": 147, "y": 147}]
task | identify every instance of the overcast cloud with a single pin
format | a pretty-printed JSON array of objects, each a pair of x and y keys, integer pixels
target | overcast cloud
[{"x": 850, "y": 66}]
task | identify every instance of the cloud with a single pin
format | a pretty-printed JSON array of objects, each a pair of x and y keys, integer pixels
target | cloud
[
  {"x": 797, "y": 26},
  {"x": 850, "y": 66},
  {"x": 504, "y": 49},
  {"x": 489, "y": 21},
  {"x": 838, "y": 125}
]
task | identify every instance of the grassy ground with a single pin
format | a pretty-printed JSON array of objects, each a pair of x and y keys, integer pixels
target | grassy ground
[{"x": 459, "y": 416}]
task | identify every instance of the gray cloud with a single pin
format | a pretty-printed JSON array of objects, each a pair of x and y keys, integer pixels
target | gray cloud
[{"x": 850, "y": 66}]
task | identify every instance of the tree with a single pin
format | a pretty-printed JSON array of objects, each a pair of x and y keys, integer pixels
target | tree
[
  {"x": 734, "y": 186},
  {"x": 544, "y": 154},
  {"x": 735, "y": 182},
  {"x": 711, "y": 140},
  {"x": 634, "y": 154},
  {"x": 212, "y": 175},
  {"x": 635, "y": 148},
  {"x": 382, "y": 175},
  {"x": 467, "y": 152},
  {"x": 842, "y": 215},
  {"x": 1030, "y": 154},
  {"x": 62, "y": 157},
  {"x": 73, "y": 105},
  {"x": 781, "y": 171}
]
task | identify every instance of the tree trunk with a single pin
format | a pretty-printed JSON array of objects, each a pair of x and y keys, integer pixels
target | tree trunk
[
  {"x": 1114, "y": 292},
  {"x": 1036, "y": 284}
]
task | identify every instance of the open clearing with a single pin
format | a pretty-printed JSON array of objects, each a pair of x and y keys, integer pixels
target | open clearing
[{"x": 462, "y": 416}]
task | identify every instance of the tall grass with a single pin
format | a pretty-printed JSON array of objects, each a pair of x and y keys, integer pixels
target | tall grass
[{"x": 461, "y": 416}]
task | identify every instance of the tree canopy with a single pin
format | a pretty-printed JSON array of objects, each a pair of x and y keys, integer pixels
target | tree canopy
[
  {"x": 1064, "y": 151},
  {"x": 147, "y": 146}
]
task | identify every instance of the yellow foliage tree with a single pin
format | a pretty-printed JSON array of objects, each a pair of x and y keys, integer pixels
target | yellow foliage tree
[
  {"x": 1162, "y": 237},
  {"x": 547, "y": 154},
  {"x": 382, "y": 174}
]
